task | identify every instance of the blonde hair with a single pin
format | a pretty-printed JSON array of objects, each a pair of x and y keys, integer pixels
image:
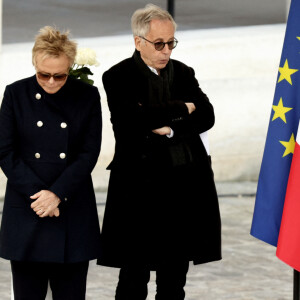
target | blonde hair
[
  {"x": 141, "y": 18},
  {"x": 51, "y": 43}
]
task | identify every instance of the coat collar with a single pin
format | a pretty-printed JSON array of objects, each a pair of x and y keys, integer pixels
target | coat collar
[{"x": 55, "y": 101}]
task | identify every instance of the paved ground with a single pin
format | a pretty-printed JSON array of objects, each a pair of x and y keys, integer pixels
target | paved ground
[
  {"x": 89, "y": 18},
  {"x": 249, "y": 269}
]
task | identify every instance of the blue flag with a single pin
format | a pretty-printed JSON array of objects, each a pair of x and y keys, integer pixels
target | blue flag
[{"x": 280, "y": 142}]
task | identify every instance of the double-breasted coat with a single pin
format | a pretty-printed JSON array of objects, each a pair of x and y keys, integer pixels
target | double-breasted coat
[
  {"x": 156, "y": 211},
  {"x": 50, "y": 142}
]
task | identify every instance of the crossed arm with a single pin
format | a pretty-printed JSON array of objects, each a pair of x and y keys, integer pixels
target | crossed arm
[{"x": 166, "y": 129}]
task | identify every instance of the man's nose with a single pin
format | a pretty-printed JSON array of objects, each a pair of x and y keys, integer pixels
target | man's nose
[{"x": 166, "y": 49}]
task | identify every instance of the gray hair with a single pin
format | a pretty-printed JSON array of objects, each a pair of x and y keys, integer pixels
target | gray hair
[{"x": 141, "y": 18}]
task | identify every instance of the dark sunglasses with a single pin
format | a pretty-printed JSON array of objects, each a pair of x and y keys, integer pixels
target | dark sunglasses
[
  {"x": 161, "y": 45},
  {"x": 56, "y": 77}
]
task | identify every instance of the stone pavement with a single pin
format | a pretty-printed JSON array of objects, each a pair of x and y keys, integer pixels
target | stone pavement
[{"x": 249, "y": 269}]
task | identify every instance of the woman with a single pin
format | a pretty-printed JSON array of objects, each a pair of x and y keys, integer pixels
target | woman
[{"x": 50, "y": 141}]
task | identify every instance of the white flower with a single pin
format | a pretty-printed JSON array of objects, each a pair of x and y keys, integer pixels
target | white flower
[
  {"x": 86, "y": 56},
  {"x": 79, "y": 70}
]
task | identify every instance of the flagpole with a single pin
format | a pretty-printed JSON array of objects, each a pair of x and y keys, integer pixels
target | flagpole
[{"x": 296, "y": 285}]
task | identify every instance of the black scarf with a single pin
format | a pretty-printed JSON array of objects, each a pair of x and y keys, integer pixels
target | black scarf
[{"x": 158, "y": 86}]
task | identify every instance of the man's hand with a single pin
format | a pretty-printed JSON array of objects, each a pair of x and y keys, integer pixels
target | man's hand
[
  {"x": 162, "y": 131},
  {"x": 46, "y": 204},
  {"x": 190, "y": 106}
]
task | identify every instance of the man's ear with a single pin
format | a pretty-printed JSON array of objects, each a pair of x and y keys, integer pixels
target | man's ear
[{"x": 137, "y": 42}]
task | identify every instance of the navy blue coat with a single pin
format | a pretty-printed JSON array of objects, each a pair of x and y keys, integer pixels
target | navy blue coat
[
  {"x": 155, "y": 212},
  {"x": 52, "y": 142}
]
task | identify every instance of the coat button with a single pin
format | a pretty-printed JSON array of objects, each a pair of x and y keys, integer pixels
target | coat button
[
  {"x": 38, "y": 96},
  {"x": 63, "y": 125},
  {"x": 66, "y": 199},
  {"x": 37, "y": 155},
  {"x": 39, "y": 124},
  {"x": 62, "y": 155}
]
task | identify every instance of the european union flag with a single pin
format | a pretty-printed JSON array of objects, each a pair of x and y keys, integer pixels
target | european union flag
[{"x": 280, "y": 142}]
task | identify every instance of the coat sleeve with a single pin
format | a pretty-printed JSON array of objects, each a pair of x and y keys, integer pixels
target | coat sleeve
[
  {"x": 203, "y": 118},
  {"x": 20, "y": 176},
  {"x": 68, "y": 183},
  {"x": 125, "y": 111}
]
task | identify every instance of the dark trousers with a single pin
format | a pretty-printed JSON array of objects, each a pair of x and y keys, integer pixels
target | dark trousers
[
  {"x": 67, "y": 281},
  {"x": 170, "y": 282}
]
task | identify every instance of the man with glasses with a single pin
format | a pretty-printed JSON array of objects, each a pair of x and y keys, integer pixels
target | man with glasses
[{"x": 162, "y": 208}]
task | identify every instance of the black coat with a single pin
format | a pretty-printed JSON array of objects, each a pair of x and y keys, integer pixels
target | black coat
[
  {"x": 156, "y": 211},
  {"x": 50, "y": 142}
]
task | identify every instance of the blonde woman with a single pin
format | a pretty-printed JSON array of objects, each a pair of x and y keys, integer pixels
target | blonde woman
[{"x": 50, "y": 140}]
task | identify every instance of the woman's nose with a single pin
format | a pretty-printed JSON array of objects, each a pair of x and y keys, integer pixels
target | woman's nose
[{"x": 51, "y": 80}]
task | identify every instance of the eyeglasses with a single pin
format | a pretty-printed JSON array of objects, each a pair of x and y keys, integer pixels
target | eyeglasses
[
  {"x": 56, "y": 77},
  {"x": 161, "y": 45}
]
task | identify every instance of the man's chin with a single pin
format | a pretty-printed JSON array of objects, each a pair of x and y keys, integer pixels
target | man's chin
[
  {"x": 161, "y": 66},
  {"x": 164, "y": 62}
]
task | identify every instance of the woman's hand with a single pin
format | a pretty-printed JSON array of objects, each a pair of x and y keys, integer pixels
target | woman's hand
[{"x": 46, "y": 204}]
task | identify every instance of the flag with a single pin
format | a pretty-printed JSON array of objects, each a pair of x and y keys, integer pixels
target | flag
[
  {"x": 280, "y": 141},
  {"x": 288, "y": 247}
]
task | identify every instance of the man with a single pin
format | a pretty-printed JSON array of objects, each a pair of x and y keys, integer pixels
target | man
[{"x": 162, "y": 208}]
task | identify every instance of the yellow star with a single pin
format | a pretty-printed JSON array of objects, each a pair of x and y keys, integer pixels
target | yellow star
[
  {"x": 286, "y": 72},
  {"x": 289, "y": 146},
  {"x": 280, "y": 110}
]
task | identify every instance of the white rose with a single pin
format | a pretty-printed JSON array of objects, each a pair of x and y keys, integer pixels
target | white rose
[{"x": 86, "y": 56}]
